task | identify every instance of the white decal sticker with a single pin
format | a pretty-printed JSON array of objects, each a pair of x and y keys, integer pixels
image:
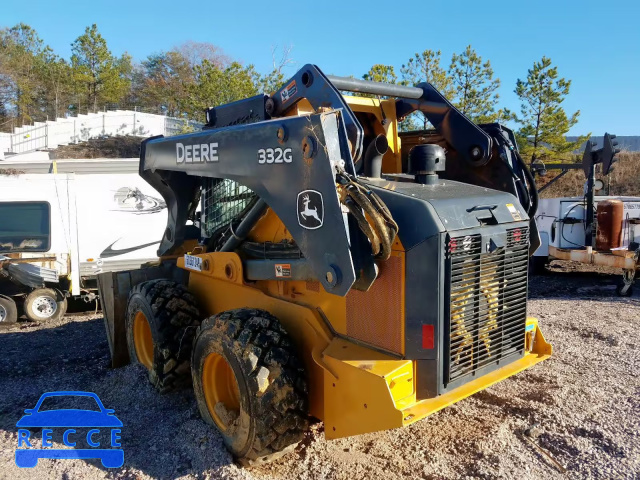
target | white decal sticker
[
  {"x": 193, "y": 263},
  {"x": 198, "y": 153},
  {"x": 310, "y": 209},
  {"x": 274, "y": 155},
  {"x": 514, "y": 212}
]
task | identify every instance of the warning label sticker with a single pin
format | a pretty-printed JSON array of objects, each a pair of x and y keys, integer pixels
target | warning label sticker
[
  {"x": 289, "y": 91},
  {"x": 283, "y": 270},
  {"x": 514, "y": 212}
]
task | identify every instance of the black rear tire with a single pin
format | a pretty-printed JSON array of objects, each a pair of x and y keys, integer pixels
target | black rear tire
[
  {"x": 271, "y": 384},
  {"x": 538, "y": 265},
  {"x": 44, "y": 304},
  {"x": 8, "y": 310},
  {"x": 173, "y": 318}
]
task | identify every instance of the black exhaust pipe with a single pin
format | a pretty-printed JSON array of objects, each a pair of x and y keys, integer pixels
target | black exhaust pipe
[{"x": 373, "y": 157}]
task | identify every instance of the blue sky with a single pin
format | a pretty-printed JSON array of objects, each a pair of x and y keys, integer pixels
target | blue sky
[{"x": 595, "y": 44}]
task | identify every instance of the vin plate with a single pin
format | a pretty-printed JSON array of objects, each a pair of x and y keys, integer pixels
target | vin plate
[{"x": 193, "y": 263}]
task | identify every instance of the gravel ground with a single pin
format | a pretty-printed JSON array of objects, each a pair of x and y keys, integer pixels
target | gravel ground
[{"x": 585, "y": 400}]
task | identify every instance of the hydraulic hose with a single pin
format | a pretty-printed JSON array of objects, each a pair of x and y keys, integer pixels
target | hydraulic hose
[
  {"x": 247, "y": 223},
  {"x": 533, "y": 191},
  {"x": 373, "y": 216}
]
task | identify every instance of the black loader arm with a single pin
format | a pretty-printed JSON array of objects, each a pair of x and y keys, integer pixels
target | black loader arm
[
  {"x": 290, "y": 163},
  {"x": 311, "y": 84}
]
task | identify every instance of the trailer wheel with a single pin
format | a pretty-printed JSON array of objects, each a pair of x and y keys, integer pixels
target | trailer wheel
[
  {"x": 44, "y": 304},
  {"x": 162, "y": 318},
  {"x": 250, "y": 384},
  {"x": 8, "y": 310},
  {"x": 624, "y": 291},
  {"x": 625, "y": 288}
]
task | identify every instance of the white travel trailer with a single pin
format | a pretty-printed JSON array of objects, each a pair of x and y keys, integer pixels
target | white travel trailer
[{"x": 58, "y": 231}]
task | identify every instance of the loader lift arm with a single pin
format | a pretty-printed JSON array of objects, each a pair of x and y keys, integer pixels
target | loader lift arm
[
  {"x": 485, "y": 156},
  {"x": 314, "y": 148}
]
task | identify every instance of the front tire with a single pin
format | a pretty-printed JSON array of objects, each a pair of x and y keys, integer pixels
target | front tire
[
  {"x": 162, "y": 318},
  {"x": 44, "y": 304},
  {"x": 8, "y": 310},
  {"x": 250, "y": 385}
]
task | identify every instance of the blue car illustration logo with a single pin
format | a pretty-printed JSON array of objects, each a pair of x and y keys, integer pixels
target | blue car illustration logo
[{"x": 70, "y": 419}]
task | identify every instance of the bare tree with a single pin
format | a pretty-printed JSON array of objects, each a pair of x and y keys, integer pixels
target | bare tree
[
  {"x": 197, "y": 52},
  {"x": 285, "y": 58}
]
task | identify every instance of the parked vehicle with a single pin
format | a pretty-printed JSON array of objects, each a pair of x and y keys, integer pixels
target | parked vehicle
[
  {"x": 562, "y": 223},
  {"x": 58, "y": 231}
]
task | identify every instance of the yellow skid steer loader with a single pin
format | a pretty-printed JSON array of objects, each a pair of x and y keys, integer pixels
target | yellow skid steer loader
[{"x": 319, "y": 263}]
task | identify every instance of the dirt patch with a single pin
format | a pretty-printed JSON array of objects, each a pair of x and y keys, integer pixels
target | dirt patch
[
  {"x": 10, "y": 171},
  {"x": 110, "y": 147},
  {"x": 585, "y": 399}
]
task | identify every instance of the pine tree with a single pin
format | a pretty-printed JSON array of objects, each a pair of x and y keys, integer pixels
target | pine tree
[
  {"x": 215, "y": 86},
  {"x": 381, "y": 73},
  {"x": 425, "y": 67},
  {"x": 21, "y": 57},
  {"x": 543, "y": 121},
  {"x": 476, "y": 90},
  {"x": 103, "y": 77},
  {"x": 57, "y": 84}
]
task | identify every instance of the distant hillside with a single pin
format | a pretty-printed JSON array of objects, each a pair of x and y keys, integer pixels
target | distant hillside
[
  {"x": 623, "y": 180},
  {"x": 109, "y": 147},
  {"x": 626, "y": 142}
]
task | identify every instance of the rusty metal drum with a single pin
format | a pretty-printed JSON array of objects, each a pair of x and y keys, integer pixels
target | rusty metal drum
[{"x": 610, "y": 215}]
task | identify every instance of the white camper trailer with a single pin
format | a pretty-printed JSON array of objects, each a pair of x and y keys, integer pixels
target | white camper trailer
[{"x": 58, "y": 231}]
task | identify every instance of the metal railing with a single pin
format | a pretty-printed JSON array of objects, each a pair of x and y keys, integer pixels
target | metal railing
[{"x": 63, "y": 131}]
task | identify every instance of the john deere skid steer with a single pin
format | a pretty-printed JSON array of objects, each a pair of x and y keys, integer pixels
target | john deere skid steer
[{"x": 318, "y": 263}]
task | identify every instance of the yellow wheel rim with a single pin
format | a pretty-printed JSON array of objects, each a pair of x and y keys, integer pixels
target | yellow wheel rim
[
  {"x": 220, "y": 391},
  {"x": 142, "y": 339}
]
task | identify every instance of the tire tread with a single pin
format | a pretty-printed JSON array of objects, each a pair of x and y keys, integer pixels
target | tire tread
[
  {"x": 281, "y": 420},
  {"x": 176, "y": 317}
]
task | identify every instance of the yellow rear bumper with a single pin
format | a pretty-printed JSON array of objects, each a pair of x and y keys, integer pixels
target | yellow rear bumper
[{"x": 367, "y": 391}]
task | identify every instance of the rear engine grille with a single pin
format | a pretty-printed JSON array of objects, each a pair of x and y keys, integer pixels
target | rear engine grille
[{"x": 487, "y": 307}]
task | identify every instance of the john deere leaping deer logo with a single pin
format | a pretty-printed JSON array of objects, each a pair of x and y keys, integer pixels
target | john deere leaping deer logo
[{"x": 310, "y": 209}]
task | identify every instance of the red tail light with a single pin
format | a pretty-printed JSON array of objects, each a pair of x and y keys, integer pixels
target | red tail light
[
  {"x": 517, "y": 235},
  {"x": 427, "y": 337}
]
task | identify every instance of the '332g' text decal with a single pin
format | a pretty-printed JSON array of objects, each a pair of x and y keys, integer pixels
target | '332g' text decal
[{"x": 274, "y": 155}]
